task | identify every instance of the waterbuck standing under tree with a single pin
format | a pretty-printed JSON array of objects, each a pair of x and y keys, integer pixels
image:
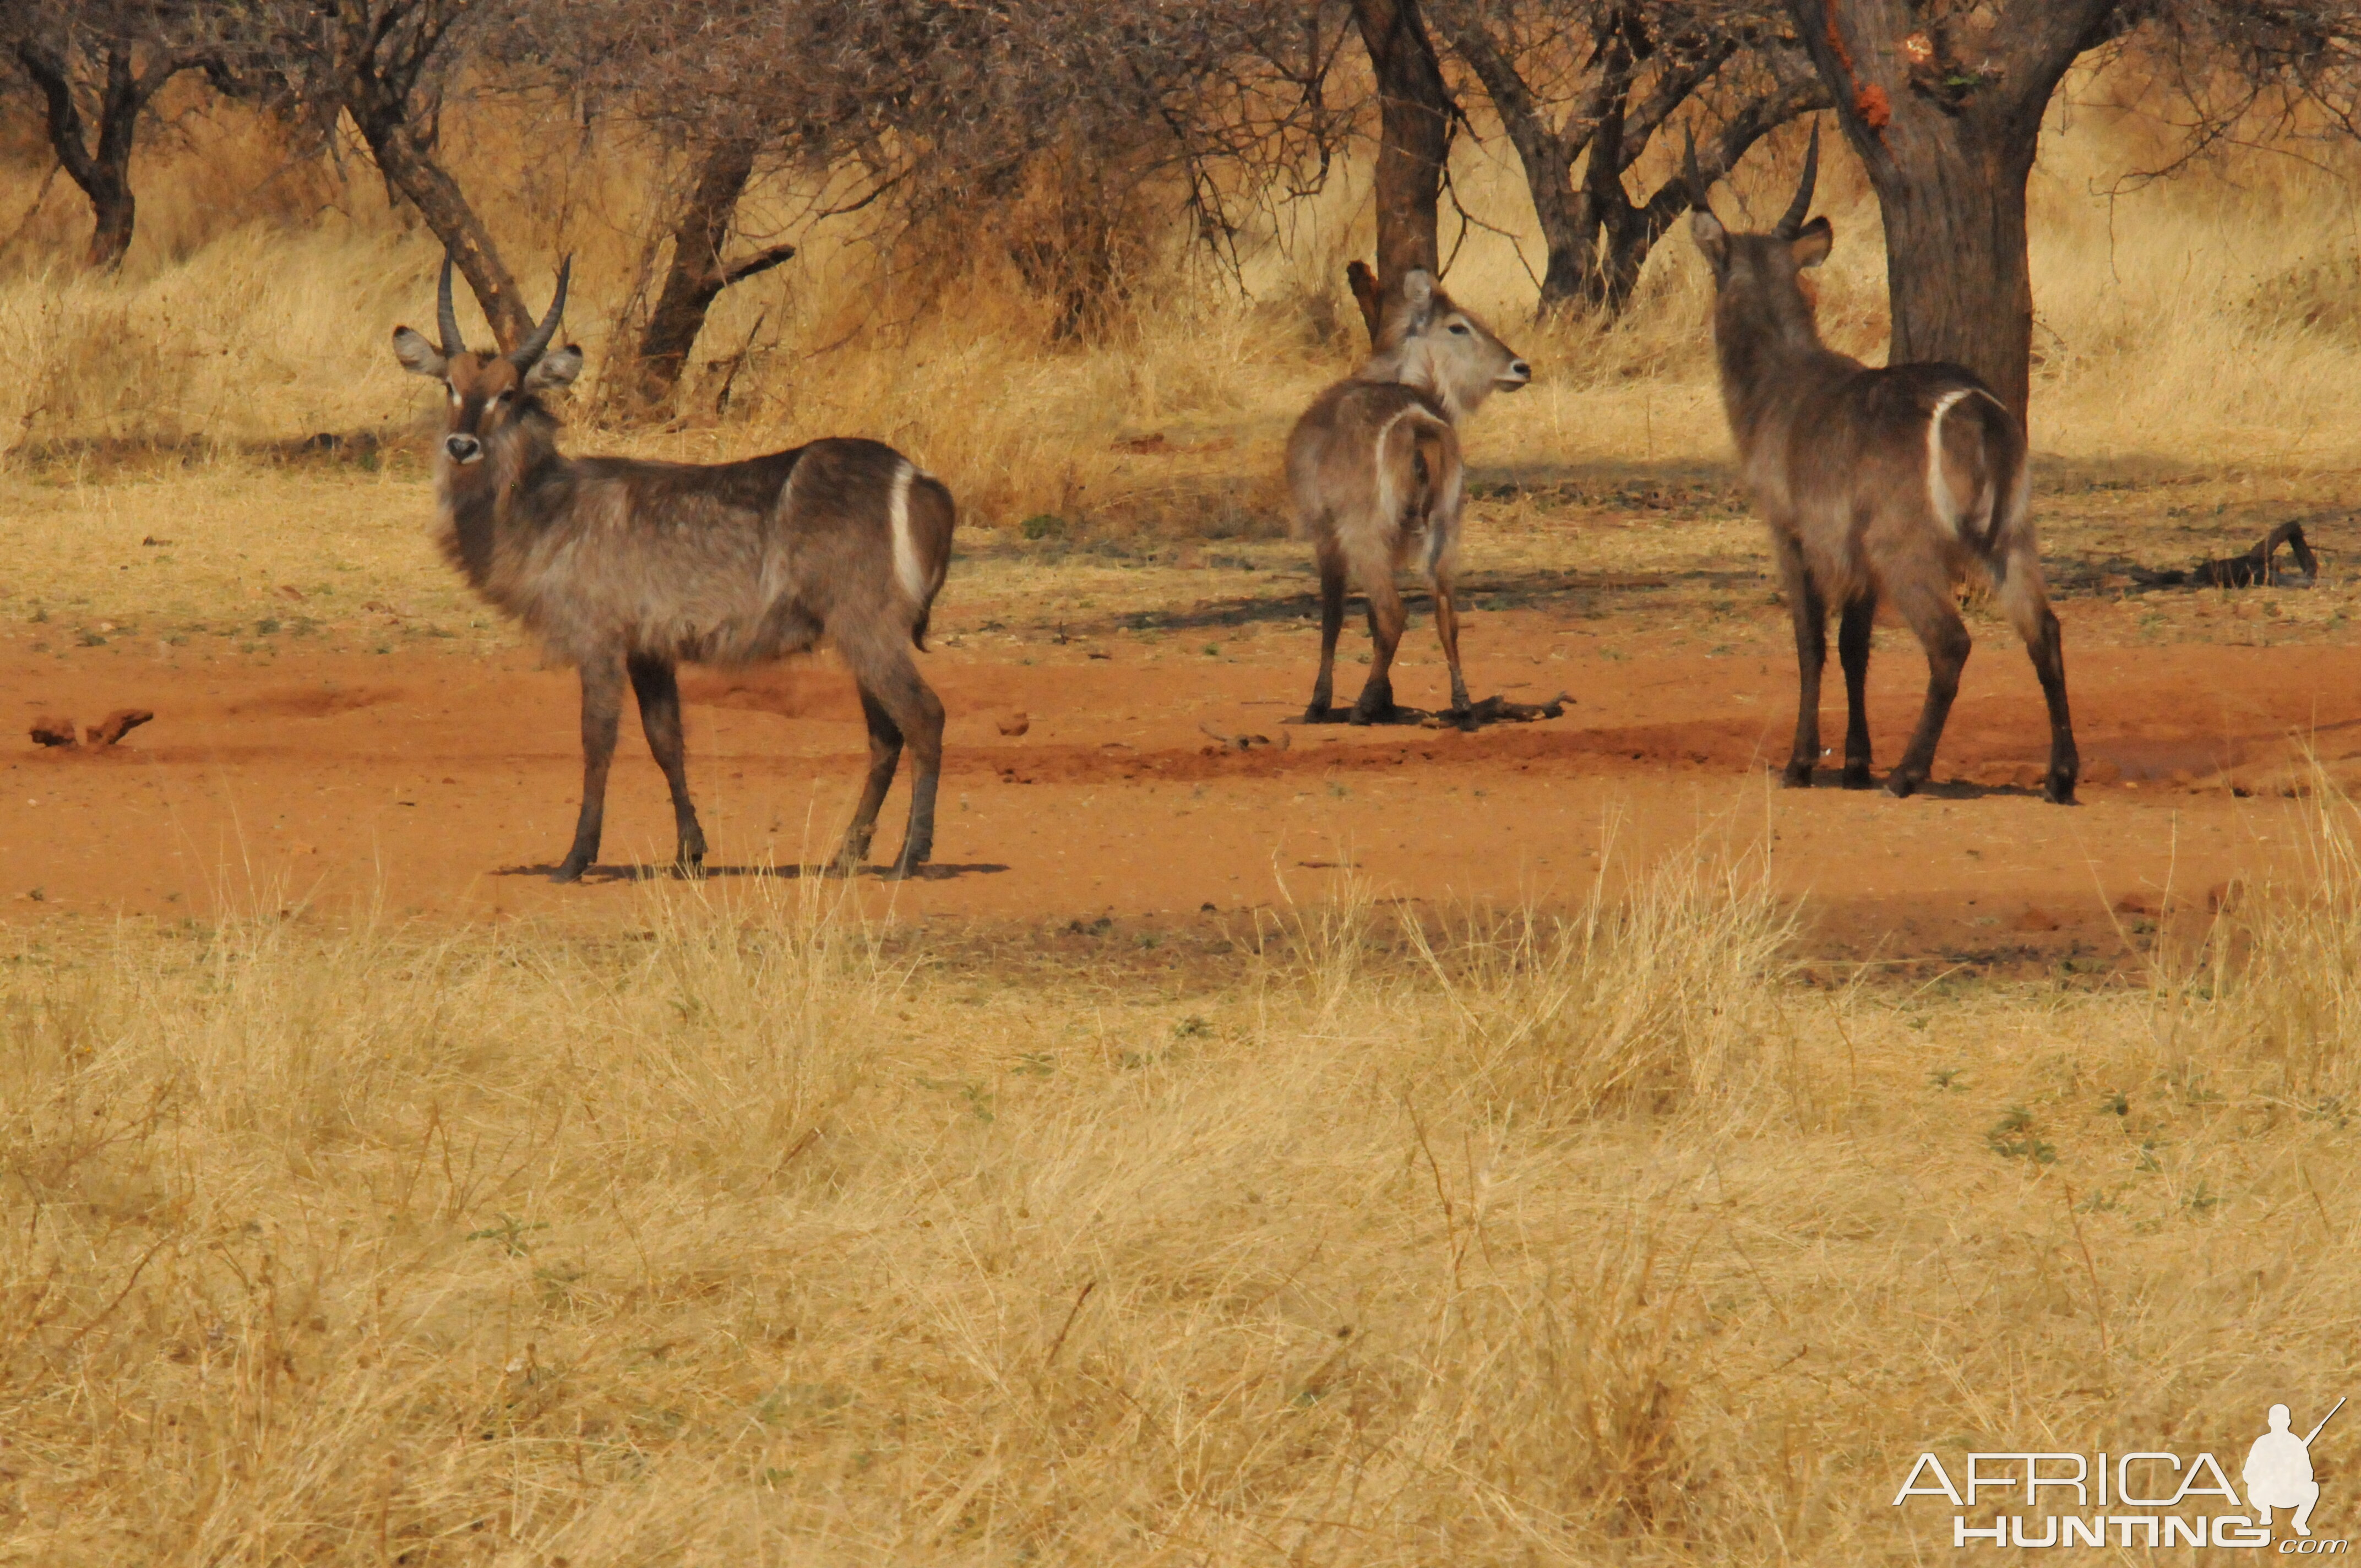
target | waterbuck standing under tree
[
  {"x": 1373, "y": 466},
  {"x": 1881, "y": 486},
  {"x": 625, "y": 568}
]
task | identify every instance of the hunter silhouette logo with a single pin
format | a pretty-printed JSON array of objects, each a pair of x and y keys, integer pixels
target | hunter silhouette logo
[
  {"x": 2278, "y": 1471},
  {"x": 2137, "y": 1498}
]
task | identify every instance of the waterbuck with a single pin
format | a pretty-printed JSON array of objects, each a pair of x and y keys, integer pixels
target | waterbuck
[
  {"x": 1884, "y": 487},
  {"x": 1373, "y": 466},
  {"x": 627, "y": 569}
]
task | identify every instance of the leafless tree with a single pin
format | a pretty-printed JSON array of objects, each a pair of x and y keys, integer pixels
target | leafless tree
[
  {"x": 1033, "y": 126},
  {"x": 1602, "y": 77},
  {"x": 97, "y": 66},
  {"x": 387, "y": 65},
  {"x": 1415, "y": 114}
]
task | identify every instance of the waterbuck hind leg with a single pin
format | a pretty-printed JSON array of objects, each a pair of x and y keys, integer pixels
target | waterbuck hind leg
[
  {"x": 1852, "y": 651},
  {"x": 602, "y": 705},
  {"x": 901, "y": 709},
  {"x": 658, "y": 689},
  {"x": 919, "y": 713},
  {"x": 1810, "y": 611},
  {"x": 1331, "y": 622},
  {"x": 1929, "y": 609},
  {"x": 2026, "y": 601},
  {"x": 884, "y": 756},
  {"x": 1446, "y": 628},
  {"x": 1388, "y": 616}
]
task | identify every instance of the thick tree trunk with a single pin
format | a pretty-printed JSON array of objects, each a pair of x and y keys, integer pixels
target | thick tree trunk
[
  {"x": 103, "y": 173},
  {"x": 697, "y": 274},
  {"x": 1569, "y": 228},
  {"x": 1948, "y": 125},
  {"x": 1414, "y": 134},
  {"x": 1957, "y": 277}
]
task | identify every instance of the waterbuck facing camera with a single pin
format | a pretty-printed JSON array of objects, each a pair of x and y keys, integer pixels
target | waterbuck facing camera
[
  {"x": 1374, "y": 467},
  {"x": 626, "y": 568},
  {"x": 1884, "y": 487}
]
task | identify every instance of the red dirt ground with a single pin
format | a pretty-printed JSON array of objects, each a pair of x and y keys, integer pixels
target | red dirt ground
[{"x": 432, "y": 781}]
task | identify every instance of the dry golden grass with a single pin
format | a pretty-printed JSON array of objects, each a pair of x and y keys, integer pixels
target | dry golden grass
[{"x": 746, "y": 1237}]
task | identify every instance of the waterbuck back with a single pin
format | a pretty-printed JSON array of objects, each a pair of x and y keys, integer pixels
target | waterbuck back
[
  {"x": 1375, "y": 471},
  {"x": 1881, "y": 487},
  {"x": 627, "y": 569}
]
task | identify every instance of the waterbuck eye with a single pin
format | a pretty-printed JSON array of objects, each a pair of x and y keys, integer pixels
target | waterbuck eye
[
  {"x": 1459, "y": 329},
  {"x": 504, "y": 394},
  {"x": 456, "y": 398}
]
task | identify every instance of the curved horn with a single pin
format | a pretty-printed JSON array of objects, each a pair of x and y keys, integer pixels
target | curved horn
[
  {"x": 1691, "y": 176},
  {"x": 1801, "y": 207},
  {"x": 530, "y": 351},
  {"x": 446, "y": 320}
]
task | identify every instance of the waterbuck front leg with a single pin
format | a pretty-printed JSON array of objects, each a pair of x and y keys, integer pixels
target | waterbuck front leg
[
  {"x": 659, "y": 693},
  {"x": 1388, "y": 616},
  {"x": 1853, "y": 631},
  {"x": 602, "y": 704},
  {"x": 1928, "y": 608},
  {"x": 1811, "y": 617},
  {"x": 1331, "y": 622}
]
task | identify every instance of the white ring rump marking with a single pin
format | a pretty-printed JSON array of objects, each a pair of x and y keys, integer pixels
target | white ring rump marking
[{"x": 906, "y": 552}]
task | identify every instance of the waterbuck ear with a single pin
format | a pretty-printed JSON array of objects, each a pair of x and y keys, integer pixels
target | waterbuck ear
[
  {"x": 418, "y": 356},
  {"x": 556, "y": 369},
  {"x": 1711, "y": 238},
  {"x": 1409, "y": 308},
  {"x": 1810, "y": 247}
]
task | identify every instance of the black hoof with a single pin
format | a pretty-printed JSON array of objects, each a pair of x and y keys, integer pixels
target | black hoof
[
  {"x": 570, "y": 871},
  {"x": 1902, "y": 786},
  {"x": 2059, "y": 791},
  {"x": 1857, "y": 776},
  {"x": 1797, "y": 775},
  {"x": 1384, "y": 715}
]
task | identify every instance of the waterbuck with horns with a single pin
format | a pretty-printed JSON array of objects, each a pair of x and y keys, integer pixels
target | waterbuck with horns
[
  {"x": 1373, "y": 466},
  {"x": 1885, "y": 487},
  {"x": 626, "y": 568}
]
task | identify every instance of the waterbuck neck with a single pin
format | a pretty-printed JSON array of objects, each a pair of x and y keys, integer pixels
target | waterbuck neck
[
  {"x": 1415, "y": 365},
  {"x": 498, "y": 502},
  {"x": 1765, "y": 342}
]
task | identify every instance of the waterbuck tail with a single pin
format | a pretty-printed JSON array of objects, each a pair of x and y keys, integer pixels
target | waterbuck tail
[
  {"x": 1426, "y": 450},
  {"x": 1446, "y": 488},
  {"x": 1976, "y": 472},
  {"x": 923, "y": 516}
]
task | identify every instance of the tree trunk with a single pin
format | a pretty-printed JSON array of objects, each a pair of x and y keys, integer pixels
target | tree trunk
[
  {"x": 104, "y": 172},
  {"x": 1957, "y": 277},
  {"x": 1948, "y": 123},
  {"x": 384, "y": 124},
  {"x": 1569, "y": 227},
  {"x": 697, "y": 274},
  {"x": 1414, "y": 134}
]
